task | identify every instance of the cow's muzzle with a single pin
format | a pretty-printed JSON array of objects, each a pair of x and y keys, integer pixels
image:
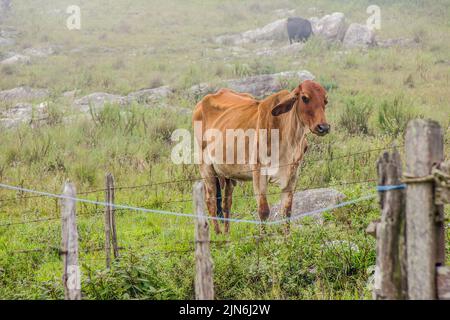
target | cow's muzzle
[{"x": 322, "y": 129}]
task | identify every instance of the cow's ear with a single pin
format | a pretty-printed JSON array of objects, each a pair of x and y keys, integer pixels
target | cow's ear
[
  {"x": 284, "y": 106},
  {"x": 287, "y": 104}
]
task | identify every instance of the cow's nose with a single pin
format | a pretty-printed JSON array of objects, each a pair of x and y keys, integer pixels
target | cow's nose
[{"x": 323, "y": 128}]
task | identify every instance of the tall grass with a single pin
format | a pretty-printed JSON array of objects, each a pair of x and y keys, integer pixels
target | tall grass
[{"x": 152, "y": 43}]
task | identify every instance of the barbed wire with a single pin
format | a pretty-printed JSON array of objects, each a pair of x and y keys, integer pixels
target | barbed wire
[
  {"x": 197, "y": 178},
  {"x": 276, "y": 193},
  {"x": 170, "y": 213},
  {"x": 7, "y": 224}
]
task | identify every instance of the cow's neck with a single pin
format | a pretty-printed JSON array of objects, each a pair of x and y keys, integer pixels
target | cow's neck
[{"x": 292, "y": 137}]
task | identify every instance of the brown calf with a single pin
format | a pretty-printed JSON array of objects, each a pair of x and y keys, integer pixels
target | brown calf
[{"x": 293, "y": 114}]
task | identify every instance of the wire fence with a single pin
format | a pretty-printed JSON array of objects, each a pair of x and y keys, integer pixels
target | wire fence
[
  {"x": 197, "y": 178},
  {"x": 33, "y": 194}
]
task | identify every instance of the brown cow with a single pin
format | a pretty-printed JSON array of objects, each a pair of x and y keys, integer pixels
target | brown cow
[{"x": 294, "y": 114}]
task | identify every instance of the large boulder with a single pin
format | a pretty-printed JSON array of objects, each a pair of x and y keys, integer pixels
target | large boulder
[
  {"x": 332, "y": 26},
  {"x": 23, "y": 94},
  {"x": 5, "y": 7},
  {"x": 314, "y": 24},
  {"x": 23, "y": 113},
  {"x": 261, "y": 85},
  {"x": 150, "y": 95},
  {"x": 9, "y": 32},
  {"x": 273, "y": 31},
  {"x": 16, "y": 59},
  {"x": 39, "y": 52},
  {"x": 5, "y": 42},
  {"x": 257, "y": 86},
  {"x": 309, "y": 201},
  {"x": 97, "y": 101},
  {"x": 359, "y": 35}
]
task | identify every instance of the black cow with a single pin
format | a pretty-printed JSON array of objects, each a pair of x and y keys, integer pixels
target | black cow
[{"x": 299, "y": 29}]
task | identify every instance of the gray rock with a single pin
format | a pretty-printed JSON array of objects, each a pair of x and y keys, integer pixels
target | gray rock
[
  {"x": 258, "y": 86},
  {"x": 359, "y": 35},
  {"x": 202, "y": 89},
  {"x": 39, "y": 52},
  {"x": 4, "y": 42},
  {"x": 150, "y": 95},
  {"x": 332, "y": 26},
  {"x": 23, "y": 94},
  {"x": 314, "y": 24},
  {"x": 261, "y": 85},
  {"x": 70, "y": 94},
  {"x": 308, "y": 201},
  {"x": 16, "y": 59},
  {"x": 5, "y": 7},
  {"x": 9, "y": 32},
  {"x": 273, "y": 31},
  {"x": 97, "y": 101},
  {"x": 23, "y": 113}
]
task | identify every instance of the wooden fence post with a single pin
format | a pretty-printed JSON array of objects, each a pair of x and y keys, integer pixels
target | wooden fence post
[
  {"x": 424, "y": 226},
  {"x": 110, "y": 221},
  {"x": 69, "y": 245},
  {"x": 204, "y": 286},
  {"x": 390, "y": 270}
]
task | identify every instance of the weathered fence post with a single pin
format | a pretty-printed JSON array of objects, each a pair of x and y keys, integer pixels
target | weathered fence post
[
  {"x": 69, "y": 246},
  {"x": 424, "y": 225},
  {"x": 110, "y": 221},
  {"x": 112, "y": 198},
  {"x": 390, "y": 270},
  {"x": 204, "y": 286}
]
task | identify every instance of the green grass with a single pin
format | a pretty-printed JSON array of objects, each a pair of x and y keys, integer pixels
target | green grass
[{"x": 152, "y": 43}]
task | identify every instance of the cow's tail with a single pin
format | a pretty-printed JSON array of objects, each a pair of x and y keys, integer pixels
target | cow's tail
[{"x": 219, "y": 199}]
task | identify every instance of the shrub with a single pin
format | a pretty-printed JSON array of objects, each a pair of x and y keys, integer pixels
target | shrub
[
  {"x": 394, "y": 115},
  {"x": 162, "y": 129},
  {"x": 156, "y": 81},
  {"x": 260, "y": 67},
  {"x": 315, "y": 46},
  {"x": 355, "y": 115},
  {"x": 241, "y": 70}
]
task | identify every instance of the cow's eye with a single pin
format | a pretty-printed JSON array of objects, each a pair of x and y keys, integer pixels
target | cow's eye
[
  {"x": 326, "y": 101},
  {"x": 305, "y": 99}
]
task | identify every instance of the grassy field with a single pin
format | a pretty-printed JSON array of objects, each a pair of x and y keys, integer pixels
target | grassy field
[{"x": 123, "y": 47}]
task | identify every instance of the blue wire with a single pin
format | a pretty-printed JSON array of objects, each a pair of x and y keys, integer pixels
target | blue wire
[
  {"x": 389, "y": 188},
  {"x": 145, "y": 210}
]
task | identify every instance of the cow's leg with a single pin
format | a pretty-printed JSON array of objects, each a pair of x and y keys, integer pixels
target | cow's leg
[
  {"x": 209, "y": 177},
  {"x": 260, "y": 190},
  {"x": 227, "y": 202},
  {"x": 287, "y": 195},
  {"x": 286, "y": 206}
]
